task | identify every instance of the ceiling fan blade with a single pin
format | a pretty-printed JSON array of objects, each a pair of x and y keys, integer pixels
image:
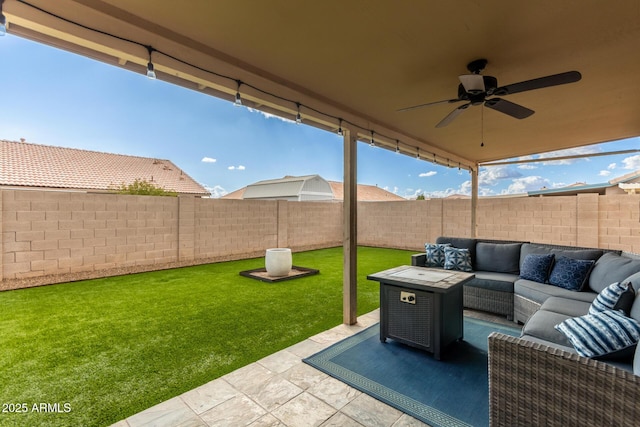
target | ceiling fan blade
[
  {"x": 473, "y": 83},
  {"x": 446, "y": 101},
  {"x": 508, "y": 108},
  {"x": 539, "y": 83},
  {"x": 452, "y": 115}
]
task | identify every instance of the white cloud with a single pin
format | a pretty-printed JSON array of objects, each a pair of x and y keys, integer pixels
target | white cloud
[
  {"x": 632, "y": 162},
  {"x": 612, "y": 166},
  {"x": 527, "y": 166},
  {"x": 216, "y": 191},
  {"x": 527, "y": 183},
  {"x": 492, "y": 176},
  {"x": 239, "y": 167},
  {"x": 578, "y": 151},
  {"x": 604, "y": 173},
  {"x": 427, "y": 174},
  {"x": 410, "y": 193},
  {"x": 231, "y": 168},
  {"x": 271, "y": 116},
  {"x": 440, "y": 194},
  {"x": 208, "y": 160}
]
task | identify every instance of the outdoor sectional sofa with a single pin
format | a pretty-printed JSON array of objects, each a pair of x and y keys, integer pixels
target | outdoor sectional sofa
[{"x": 540, "y": 378}]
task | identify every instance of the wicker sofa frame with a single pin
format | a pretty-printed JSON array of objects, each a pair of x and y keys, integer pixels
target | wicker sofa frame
[{"x": 536, "y": 385}]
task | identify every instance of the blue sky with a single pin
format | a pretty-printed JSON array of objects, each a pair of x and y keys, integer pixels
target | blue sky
[{"x": 53, "y": 97}]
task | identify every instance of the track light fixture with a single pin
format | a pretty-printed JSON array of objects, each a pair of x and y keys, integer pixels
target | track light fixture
[
  {"x": 418, "y": 153},
  {"x": 3, "y": 21},
  {"x": 298, "y": 116},
  {"x": 238, "y": 101},
  {"x": 150, "y": 70},
  {"x": 373, "y": 141},
  {"x": 397, "y": 147}
]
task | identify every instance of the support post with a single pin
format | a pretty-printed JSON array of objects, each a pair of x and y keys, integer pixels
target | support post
[
  {"x": 474, "y": 202},
  {"x": 350, "y": 232}
]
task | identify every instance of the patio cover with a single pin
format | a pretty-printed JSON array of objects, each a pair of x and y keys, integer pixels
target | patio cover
[{"x": 352, "y": 64}]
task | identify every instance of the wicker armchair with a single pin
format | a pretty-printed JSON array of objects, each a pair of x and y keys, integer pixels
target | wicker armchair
[{"x": 535, "y": 385}]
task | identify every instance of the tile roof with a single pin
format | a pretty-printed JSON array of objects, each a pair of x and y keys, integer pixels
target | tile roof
[
  {"x": 32, "y": 165},
  {"x": 366, "y": 193}
]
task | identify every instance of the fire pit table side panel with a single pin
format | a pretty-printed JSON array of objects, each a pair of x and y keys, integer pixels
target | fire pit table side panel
[{"x": 421, "y": 313}]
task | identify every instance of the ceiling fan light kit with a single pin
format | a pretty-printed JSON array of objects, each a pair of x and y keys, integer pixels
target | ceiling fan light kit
[{"x": 476, "y": 89}]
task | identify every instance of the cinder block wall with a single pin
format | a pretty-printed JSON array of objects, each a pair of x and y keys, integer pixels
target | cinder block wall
[
  {"x": 50, "y": 237},
  {"x": 310, "y": 225},
  {"x": 232, "y": 229},
  {"x": 55, "y": 233}
]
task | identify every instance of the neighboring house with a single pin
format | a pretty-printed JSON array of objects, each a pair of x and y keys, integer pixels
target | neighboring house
[
  {"x": 27, "y": 165},
  {"x": 292, "y": 188},
  {"x": 366, "y": 193},
  {"x": 308, "y": 188},
  {"x": 629, "y": 183}
]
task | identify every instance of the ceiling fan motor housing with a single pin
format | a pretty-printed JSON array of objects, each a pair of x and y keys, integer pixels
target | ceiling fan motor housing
[{"x": 490, "y": 85}]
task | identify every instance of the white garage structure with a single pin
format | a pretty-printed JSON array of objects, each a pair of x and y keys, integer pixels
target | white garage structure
[{"x": 291, "y": 188}]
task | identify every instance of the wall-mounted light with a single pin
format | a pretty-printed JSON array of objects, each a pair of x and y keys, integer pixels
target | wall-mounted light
[
  {"x": 373, "y": 141},
  {"x": 397, "y": 147},
  {"x": 340, "y": 131},
  {"x": 238, "y": 101},
  {"x": 3, "y": 21},
  {"x": 418, "y": 153},
  {"x": 151, "y": 73}
]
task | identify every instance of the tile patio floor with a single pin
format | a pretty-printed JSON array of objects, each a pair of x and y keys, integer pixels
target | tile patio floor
[{"x": 280, "y": 390}]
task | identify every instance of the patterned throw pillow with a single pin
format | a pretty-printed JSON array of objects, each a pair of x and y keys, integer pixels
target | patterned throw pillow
[
  {"x": 606, "y": 334},
  {"x": 457, "y": 259},
  {"x": 535, "y": 267},
  {"x": 569, "y": 273},
  {"x": 435, "y": 254},
  {"x": 616, "y": 296}
]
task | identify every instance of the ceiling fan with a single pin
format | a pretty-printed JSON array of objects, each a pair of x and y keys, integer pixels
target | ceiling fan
[{"x": 475, "y": 89}]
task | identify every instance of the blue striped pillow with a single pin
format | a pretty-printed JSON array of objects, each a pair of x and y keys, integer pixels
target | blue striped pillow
[
  {"x": 616, "y": 296},
  {"x": 606, "y": 334}
]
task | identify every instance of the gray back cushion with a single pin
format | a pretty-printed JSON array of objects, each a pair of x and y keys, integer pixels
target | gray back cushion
[
  {"x": 530, "y": 248},
  {"x": 461, "y": 243},
  {"x": 611, "y": 268},
  {"x": 498, "y": 257},
  {"x": 635, "y": 308}
]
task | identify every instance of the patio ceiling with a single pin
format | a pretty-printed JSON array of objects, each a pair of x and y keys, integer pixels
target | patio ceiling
[{"x": 361, "y": 60}]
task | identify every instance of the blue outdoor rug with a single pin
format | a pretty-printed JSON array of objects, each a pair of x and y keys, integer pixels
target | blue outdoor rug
[{"x": 450, "y": 392}]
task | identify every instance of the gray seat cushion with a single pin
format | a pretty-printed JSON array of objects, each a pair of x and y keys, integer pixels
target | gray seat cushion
[
  {"x": 611, "y": 268},
  {"x": 530, "y": 338},
  {"x": 542, "y": 325},
  {"x": 539, "y": 292},
  {"x": 501, "y": 282},
  {"x": 498, "y": 257},
  {"x": 566, "y": 306}
]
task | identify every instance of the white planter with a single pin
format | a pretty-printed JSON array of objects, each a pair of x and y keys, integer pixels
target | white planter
[{"x": 278, "y": 262}]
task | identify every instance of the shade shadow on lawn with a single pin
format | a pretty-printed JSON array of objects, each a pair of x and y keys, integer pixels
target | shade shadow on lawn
[{"x": 98, "y": 351}]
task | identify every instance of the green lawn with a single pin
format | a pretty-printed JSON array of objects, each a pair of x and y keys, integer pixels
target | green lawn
[{"x": 105, "y": 349}]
